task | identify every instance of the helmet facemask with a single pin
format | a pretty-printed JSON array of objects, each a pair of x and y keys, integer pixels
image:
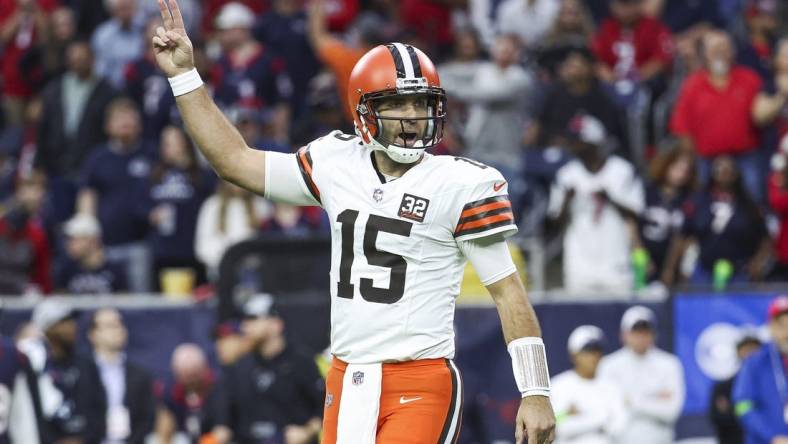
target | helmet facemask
[{"x": 404, "y": 139}]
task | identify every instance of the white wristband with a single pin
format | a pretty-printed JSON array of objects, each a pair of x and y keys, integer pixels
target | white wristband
[
  {"x": 529, "y": 364},
  {"x": 185, "y": 83}
]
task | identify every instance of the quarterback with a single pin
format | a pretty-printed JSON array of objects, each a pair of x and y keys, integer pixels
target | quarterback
[{"x": 403, "y": 224}]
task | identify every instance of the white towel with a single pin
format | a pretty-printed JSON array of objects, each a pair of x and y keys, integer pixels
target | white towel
[{"x": 360, "y": 404}]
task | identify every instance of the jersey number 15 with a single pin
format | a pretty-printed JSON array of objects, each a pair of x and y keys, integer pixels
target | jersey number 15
[{"x": 395, "y": 262}]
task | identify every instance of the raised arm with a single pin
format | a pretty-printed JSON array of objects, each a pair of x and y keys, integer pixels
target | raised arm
[{"x": 213, "y": 134}]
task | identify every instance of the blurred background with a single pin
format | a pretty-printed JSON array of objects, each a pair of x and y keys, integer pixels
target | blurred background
[{"x": 644, "y": 142}]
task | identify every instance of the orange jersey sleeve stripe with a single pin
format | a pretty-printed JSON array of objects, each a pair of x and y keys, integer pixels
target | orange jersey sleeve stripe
[
  {"x": 486, "y": 221},
  {"x": 305, "y": 165},
  {"x": 484, "y": 208}
]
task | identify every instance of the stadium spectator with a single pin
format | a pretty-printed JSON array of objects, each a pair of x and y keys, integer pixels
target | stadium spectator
[
  {"x": 212, "y": 8},
  {"x": 114, "y": 180},
  {"x": 721, "y": 407},
  {"x": 194, "y": 402},
  {"x": 26, "y": 257},
  {"x": 769, "y": 109},
  {"x": 177, "y": 189},
  {"x": 496, "y": 100},
  {"x": 652, "y": 380},
  {"x": 672, "y": 175},
  {"x": 86, "y": 270},
  {"x": 573, "y": 28},
  {"x": 755, "y": 51},
  {"x": 633, "y": 50},
  {"x": 59, "y": 370},
  {"x": 229, "y": 216},
  {"x": 21, "y": 403},
  {"x": 247, "y": 73},
  {"x": 72, "y": 125},
  {"x": 283, "y": 30},
  {"x": 713, "y": 115},
  {"x": 728, "y": 228},
  {"x": 778, "y": 199},
  {"x": 759, "y": 389},
  {"x": 597, "y": 196},
  {"x": 577, "y": 90},
  {"x": 24, "y": 26},
  {"x": 147, "y": 86},
  {"x": 121, "y": 406},
  {"x": 530, "y": 20},
  {"x": 459, "y": 73},
  {"x": 588, "y": 409},
  {"x": 276, "y": 393},
  {"x": 63, "y": 32},
  {"x": 338, "y": 56},
  {"x": 118, "y": 41},
  {"x": 262, "y": 130}
]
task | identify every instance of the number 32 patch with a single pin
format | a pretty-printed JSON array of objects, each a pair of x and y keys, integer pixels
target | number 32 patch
[{"x": 413, "y": 207}]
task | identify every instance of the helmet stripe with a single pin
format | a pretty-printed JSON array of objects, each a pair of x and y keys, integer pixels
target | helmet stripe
[
  {"x": 399, "y": 64},
  {"x": 406, "y": 60},
  {"x": 414, "y": 59}
]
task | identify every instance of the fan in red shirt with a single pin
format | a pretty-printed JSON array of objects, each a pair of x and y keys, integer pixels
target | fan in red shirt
[
  {"x": 22, "y": 22},
  {"x": 25, "y": 258},
  {"x": 713, "y": 114},
  {"x": 778, "y": 199},
  {"x": 632, "y": 48}
]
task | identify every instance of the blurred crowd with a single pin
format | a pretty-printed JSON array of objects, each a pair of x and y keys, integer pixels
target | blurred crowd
[
  {"x": 264, "y": 389},
  {"x": 653, "y": 131}
]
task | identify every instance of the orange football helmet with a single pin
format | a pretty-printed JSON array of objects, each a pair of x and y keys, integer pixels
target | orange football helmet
[{"x": 390, "y": 70}]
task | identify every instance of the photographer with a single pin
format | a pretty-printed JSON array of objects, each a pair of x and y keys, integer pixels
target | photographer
[{"x": 778, "y": 199}]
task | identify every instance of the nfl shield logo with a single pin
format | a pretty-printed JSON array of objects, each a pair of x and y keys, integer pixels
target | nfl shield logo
[
  {"x": 329, "y": 399},
  {"x": 358, "y": 378},
  {"x": 377, "y": 194}
]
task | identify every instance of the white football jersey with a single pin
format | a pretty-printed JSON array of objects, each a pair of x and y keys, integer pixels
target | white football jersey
[{"x": 396, "y": 268}]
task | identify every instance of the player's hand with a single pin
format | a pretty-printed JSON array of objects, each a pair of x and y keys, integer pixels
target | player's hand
[
  {"x": 535, "y": 421},
  {"x": 171, "y": 45},
  {"x": 780, "y": 440}
]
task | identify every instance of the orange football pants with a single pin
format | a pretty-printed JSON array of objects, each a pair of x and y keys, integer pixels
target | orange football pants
[{"x": 420, "y": 402}]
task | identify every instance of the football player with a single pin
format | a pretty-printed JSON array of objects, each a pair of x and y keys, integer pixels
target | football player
[{"x": 403, "y": 224}]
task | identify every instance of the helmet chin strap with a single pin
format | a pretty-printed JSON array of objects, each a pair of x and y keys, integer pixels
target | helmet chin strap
[
  {"x": 395, "y": 153},
  {"x": 399, "y": 154}
]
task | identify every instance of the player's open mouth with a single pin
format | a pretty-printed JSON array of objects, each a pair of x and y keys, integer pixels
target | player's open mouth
[{"x": 408, "y": 139}]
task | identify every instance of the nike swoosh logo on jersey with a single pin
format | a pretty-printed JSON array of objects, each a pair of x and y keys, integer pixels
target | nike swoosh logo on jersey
[
  {"x": 497, "y": 186},
  {"x": 404, "y": 400}
]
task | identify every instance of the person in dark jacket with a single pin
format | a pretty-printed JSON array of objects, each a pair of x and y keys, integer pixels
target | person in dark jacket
[
  {"x": 72, "y": 124},
  {"x": 60, "y": 371},
  {"x": 721, "y": 411},
  {"x": 194, "y": 402},
  {"x": 276, "y": 392},
  {"x": 120, "y": 405}
]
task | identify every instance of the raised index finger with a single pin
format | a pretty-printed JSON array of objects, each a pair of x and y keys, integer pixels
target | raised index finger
[
  {"x": 165, "y": 15},
  {"x": 176, "y": 14}
]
